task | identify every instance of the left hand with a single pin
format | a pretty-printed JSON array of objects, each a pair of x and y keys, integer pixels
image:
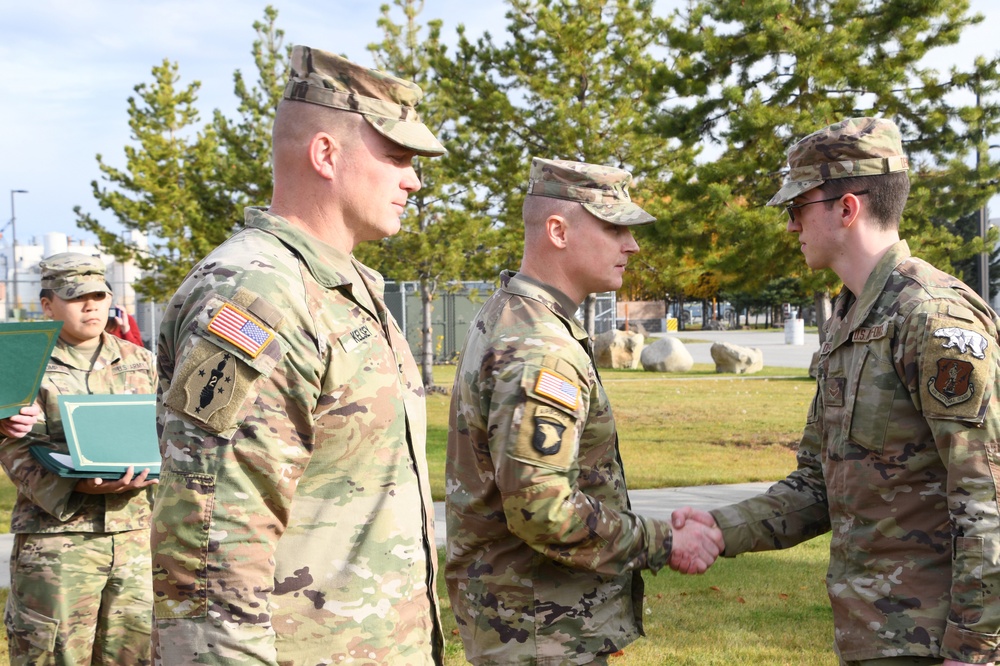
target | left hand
[
  {"x": 952, "y": 662},
  {"x": 19, "y": 425},
  {"x": 125, "y": 484}
]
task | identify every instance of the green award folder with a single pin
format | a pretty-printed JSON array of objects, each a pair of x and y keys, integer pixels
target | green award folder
[
  {"x": 25, "y": 348},
  {"x": 106, "y": 434}
]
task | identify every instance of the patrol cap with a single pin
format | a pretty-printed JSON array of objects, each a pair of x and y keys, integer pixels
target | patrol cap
[
  {"x": 855, "y": 147},
  {"x": 385, "y": 101},
  {"x": 71, "y": 274},
  {"x": 601, "y": 190}
]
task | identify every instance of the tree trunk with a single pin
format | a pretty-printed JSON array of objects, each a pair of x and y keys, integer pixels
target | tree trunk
[
  {"x": 590, "y": 314},
  {"x": 824, "y": 310}
]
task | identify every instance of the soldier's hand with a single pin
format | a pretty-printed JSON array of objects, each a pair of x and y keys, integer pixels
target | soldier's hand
[
  {"x": 697, "y": 541},
  {"x": 127, "y": 483},
  {"x": 680, "y": 517},
  {"x": 19, "y": 425}
]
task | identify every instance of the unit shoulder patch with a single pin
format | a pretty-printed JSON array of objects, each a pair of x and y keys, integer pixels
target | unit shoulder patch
[
  {"x": 963, "y": 341},
  {"x": 953, "y": 382},
  {"x": 546, "y": 438},
  {"x": 211, "y": 387}
]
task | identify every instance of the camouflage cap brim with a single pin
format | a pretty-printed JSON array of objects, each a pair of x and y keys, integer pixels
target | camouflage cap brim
[
  {"x": 70, "y": 290},
  {"x": 413, "y": 135},
  {"x": 601, "y": 190},
  {"x": 848, "y": 149},
  {"x": 624, "y": 214},
  {"x": 792, "y": 189},
  {"x": 387, "y": 102}
]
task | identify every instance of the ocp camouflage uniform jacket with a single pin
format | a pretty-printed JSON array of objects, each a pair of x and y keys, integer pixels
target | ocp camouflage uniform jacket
[
  {"x": 900, "y": 459},
  {"x": 293, "y": 521},
  {"x": 46, "y": 503},
  {"x": 543, "y": 552}
]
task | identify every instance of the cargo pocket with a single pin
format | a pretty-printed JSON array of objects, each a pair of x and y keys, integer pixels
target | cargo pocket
[
  {"x": 33, "y": 635},
  {"x": 180, "y": 554}
]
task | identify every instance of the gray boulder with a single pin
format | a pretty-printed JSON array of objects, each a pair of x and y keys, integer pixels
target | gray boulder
[
  {"x": 666, "y": 355},
  {"x": 618, "y": 349},
  {"x": 737, "y": 359}
]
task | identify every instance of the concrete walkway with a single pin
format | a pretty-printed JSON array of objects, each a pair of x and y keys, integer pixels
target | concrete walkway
[
  {"x": 770, "y": 342},
  {"x": 657, "y": 502}
]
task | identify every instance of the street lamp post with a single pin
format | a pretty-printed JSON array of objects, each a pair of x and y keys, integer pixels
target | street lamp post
[{"x": 13, "y": 236}]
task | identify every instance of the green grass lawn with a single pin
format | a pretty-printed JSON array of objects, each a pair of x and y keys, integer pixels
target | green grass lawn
[
  {"x": 681, "y": 430},
  {"x": 760, "y": 609}
]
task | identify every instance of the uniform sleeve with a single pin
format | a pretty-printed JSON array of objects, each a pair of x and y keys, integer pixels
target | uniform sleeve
[
  {"x": 49, "y": 492},
  {"x": 793, "y": 510},
  {"x": 950, "y": 360},
  {"x": 234, "y": 439},
  {"x": 534, "y": 439}
]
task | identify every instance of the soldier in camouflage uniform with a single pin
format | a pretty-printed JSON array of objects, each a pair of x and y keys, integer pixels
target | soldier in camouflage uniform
[
  {"x": 294, "y": 522},
  {"x": 544, "y": 553},
  {"x": 80, "y": 568},
  {"x": 899, "y": 458}
]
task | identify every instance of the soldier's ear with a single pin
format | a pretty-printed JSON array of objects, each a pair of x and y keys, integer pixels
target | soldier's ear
[
  {"x": 324, "y": 149},
  {"x": 46, "y": 306},
  {"x": 850, "y": 209},
  {"x": 556, "y": 230}
]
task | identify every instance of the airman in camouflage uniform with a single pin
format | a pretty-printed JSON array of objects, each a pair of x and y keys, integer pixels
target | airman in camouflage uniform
[
  {"x": 899, "y": 458},
  {"x": 294, "y": 523},
  {"x": 544, "y": 553},
  {"x": 80, "y": 567}
]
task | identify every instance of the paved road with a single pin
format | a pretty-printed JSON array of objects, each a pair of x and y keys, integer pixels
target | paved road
[
  {"x": 771, "y": 343},
  {"x": 658, "y": 502}
]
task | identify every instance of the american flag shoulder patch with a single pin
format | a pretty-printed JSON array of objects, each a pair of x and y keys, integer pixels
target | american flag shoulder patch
[
  {"x": 556, "y": 387},
  {"x": 235, "y": 326}
]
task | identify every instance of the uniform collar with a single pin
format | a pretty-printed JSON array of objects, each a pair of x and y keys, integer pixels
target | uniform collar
[
  {"x": 850, "y": 311},
  {"x": 329, "y": 266},
  {"x": 561, "y": 304},
  {"x": 875, "y": 284},
  {"x": 110, "y": 354}
]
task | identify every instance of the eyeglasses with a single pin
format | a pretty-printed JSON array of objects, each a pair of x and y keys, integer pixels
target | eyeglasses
[{"x": 790, "y": 208}]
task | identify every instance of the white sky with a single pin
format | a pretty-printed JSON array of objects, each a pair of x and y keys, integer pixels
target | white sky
[{"x": 67, "y": 68}]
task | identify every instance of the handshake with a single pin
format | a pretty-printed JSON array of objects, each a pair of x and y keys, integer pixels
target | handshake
[{"x": 697, "y": 541}]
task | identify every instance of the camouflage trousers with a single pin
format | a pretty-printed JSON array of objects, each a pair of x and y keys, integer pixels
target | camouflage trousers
[{"x": 80, "y": 598}]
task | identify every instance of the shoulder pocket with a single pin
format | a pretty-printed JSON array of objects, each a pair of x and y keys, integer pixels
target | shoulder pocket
[
  {"x": 217, "y": 378},
  {"x": 957, "y": 366},
  {"x": 548, "y": 432}
]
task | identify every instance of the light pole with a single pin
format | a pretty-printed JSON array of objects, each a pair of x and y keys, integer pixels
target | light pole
[
  {"x": 6, "y": 292},
  {"x": 13, "y": 236},
  {"x": 984, "y": 257}
]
